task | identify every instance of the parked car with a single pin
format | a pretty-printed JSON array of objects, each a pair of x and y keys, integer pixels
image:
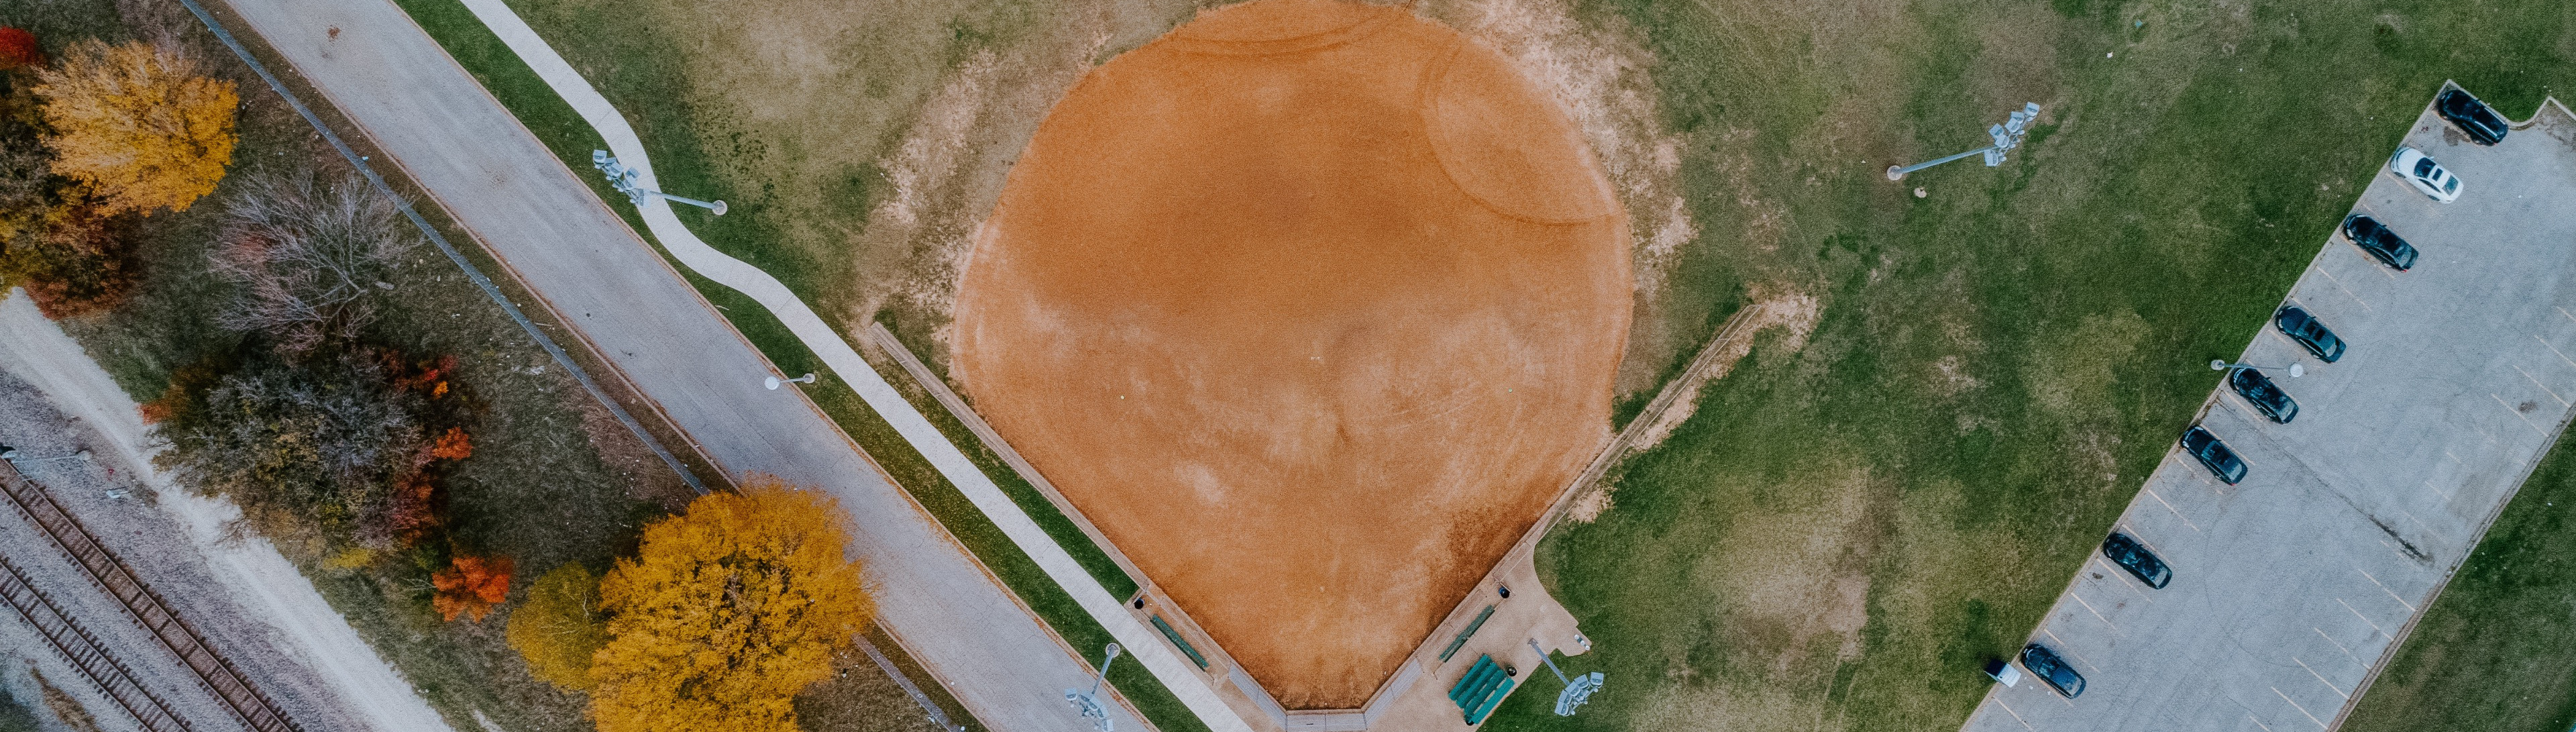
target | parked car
[
  {"x": 2045, "y": 664},
  {"x": 2310, "y": 332},
  {"x": 2427, "y": 176},
  {"x": 2266, "y": 396},
  {"x": 2132, "y": 556},
  {"x": 2474, "y": 117},
  {"x": 2382, "y": 244},
  {"x": 2213, "y": 454}
]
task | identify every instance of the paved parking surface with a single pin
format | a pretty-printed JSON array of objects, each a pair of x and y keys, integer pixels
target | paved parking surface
[{"x": 2289, "y": 590}]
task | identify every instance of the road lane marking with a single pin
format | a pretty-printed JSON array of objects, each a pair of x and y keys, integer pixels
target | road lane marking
[
  {"x": 2186, "y": 520},
  {"x": 2079, "y": 600},
  {"x": 2544, "y": 388},
  {"x": 2365, "y": 620},
  {"x": 2410, "y": 607},
  {"x": 2025, "y": 724},
  {"x": 2321, "y": 678},
  {"x": 2347, "y": 652},
  {"x": 2302, "y": 710},
  {"x": 2517, "y": 414}
]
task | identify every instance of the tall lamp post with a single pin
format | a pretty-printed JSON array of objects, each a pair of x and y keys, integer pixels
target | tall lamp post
[
  {"x": 2219, "y": 364},
  {"x": 1088, "y": 704},
  {"x": 2006, "y": 136},
  {"x": 1577, "y": 690},
  {"x": 623, "y": 179}
]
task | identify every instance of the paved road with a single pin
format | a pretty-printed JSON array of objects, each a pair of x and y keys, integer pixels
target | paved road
[
  {"x": 2289, "y": 590},
  {"x": 439, "y": 125}
]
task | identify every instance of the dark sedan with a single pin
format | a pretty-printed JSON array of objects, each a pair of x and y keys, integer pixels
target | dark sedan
[
  {"x": 2310, "y": 332},
  {"x": 2213, "y": 454},
  {"x": 2045, "y": 664},
  {"x": 2266, "y": 396},
  {"x": 2132, "y": 556},
  {"x": 2474, "y": 117},
  {"x": 2382, "y": 244}
]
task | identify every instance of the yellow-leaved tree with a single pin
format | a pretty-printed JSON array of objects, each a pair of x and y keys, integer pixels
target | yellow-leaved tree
[
  {"x": 137, "y": 125},
  {"x": 559, "y": 627},
  {"x": 726, "y": 612}
]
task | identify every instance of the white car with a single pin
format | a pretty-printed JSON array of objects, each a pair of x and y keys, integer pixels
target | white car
[{"x": 2428, "y": 176}]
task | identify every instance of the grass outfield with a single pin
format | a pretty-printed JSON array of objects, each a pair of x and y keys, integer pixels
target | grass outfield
[
  {"x": 2497, "y": 651},
  {"x": 1845, "y": 531}
]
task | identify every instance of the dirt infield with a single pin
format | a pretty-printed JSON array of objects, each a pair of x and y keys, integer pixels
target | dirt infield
[{"x": 1310, "y": 307}]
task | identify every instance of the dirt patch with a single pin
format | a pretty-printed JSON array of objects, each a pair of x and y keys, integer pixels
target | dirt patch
[
  {"x": 1774, "y": 306},
  {"x": 1310, "y": 306}
]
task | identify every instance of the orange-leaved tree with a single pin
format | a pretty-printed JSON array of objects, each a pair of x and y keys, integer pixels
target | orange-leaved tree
[
  {"x": 727, "y": 612},
  {"x": 470, "y": 586},
  {"x": 137, "y": 125},
  {"x": 558, "y": 628}
]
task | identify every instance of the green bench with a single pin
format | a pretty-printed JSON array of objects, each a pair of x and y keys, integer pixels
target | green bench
[{"x": 1481, "y": 689}]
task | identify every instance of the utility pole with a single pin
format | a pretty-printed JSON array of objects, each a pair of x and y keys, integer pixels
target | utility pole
[
  {"x": 1088, "y": 705},
  {"x": 2006, "y": 136}
]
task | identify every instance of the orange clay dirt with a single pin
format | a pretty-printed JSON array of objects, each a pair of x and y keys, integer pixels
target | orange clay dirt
[{"x": 1311, "y": 307}]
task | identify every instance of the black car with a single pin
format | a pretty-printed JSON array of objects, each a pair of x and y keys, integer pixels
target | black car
[
  {"x": 2045, "y": 664},
  {"x": 2214, "y": 454},
  {"x": 2266, "y": 396},
  {"x": 2372, "y": 237},
  {"x": 2473, "y": 116},
  {"x": 2310, "y": 332},
  {"x": 2132, "y": 556}
]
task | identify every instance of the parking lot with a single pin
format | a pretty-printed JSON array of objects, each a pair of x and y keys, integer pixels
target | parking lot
[{"x": 2290, "y": 589}]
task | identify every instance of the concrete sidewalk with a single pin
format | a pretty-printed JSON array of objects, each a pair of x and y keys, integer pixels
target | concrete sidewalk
[
  {"x": 392, "y": 80},
  {"x": 2291, "y": 590}
]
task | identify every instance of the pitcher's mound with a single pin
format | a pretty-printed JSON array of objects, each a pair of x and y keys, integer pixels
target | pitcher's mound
[{"x": 1311, "y": 307}]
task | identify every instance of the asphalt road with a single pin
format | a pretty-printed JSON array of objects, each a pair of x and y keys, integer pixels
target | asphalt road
[
  {"x": 413, "y": 101},
  {"x": 2290, "y": 589}
]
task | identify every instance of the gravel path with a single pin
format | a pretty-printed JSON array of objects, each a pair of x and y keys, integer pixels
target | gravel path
[{"x": 245, "y": 596}]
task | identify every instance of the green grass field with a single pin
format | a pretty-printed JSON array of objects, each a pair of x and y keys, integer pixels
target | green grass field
[{"x": 1843, "y": 532}]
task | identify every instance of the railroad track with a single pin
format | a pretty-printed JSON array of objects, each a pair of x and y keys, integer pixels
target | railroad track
[
  {"x": 146, "y": 608},
  {"x": 85, "y": 653}
]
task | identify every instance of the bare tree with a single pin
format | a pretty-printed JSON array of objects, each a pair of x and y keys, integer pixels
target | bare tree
[{"x": 307, "y": 256}]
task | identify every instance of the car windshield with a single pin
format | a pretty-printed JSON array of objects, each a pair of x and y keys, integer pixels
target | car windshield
[
  {"x": 2451, "y": 187},
  {"x": 2424, "y": 167}
]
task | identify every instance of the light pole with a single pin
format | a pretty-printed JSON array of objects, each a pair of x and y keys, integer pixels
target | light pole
[
  {"x": 12, "y": 455},
  {"x": 774, "y": 381},
  {"x": 1088, "y": 705},
  {"x": 2220, "y": 364},
  {"x": 1577, "y": 690},
  {"x": 623, "y": 179},
  {"x": 2007, "y": 136}
]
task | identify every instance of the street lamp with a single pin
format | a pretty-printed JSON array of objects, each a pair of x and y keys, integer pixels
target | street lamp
[
  {"x": 2219, "y": 364},
  {"x": 773, "y": 382},
  {"x": 1088, "y": 705},
  {"x": 623, "y": 179},
  {"x": 1577, "y": 690},
  {"x": 2006, "y": 136},
  {"x": 11, "y": 454}
]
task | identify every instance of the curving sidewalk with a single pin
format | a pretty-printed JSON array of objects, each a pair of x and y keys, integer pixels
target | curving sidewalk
[{"x": 837, "y": 354}]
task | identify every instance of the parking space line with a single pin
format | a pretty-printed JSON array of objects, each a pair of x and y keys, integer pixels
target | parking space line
[
  {"x": 2365, "y": 620},
  {"x": 2428, "y": 483},
  {"x": 2302, "y": 710},
  {"x": 2410, "y": 607},
  {"x": 2347, "y": 291},
  {"x": 2544, "y": 388},
  {"x": 2347, "y": 652},
  {"x": 2025, "y": 724},
  {"x": 2069, "y": 649},
  {"x": 2562, "y": 355},
  {"x": 2124, "y": 578},
  {"x": 2428, "y": 528},
  {"x": 2186, "y": 520},
  {"x": 2517, "y": 414},
  {"x": 2563, "y": 311},
  {"x": 2321, "y": 678},
  {"x": 2249, "y": 716},
  {"x": 2097, "y": 614}
]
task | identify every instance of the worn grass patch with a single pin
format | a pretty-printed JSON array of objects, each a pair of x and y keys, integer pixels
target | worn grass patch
[
  {"x": 2000, "y": 362},
  {"x": 2493, "y": 653}
]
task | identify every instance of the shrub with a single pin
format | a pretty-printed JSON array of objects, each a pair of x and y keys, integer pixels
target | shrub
[
  {"x": 726, "y": 612},
  {"x": 18, "y": 49},
  {"x": 558, "y": 627},
  {"x": 470, "y": 586},
  {"x": 72, "y": 259},
  {"x": 137, "y": 125}
]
